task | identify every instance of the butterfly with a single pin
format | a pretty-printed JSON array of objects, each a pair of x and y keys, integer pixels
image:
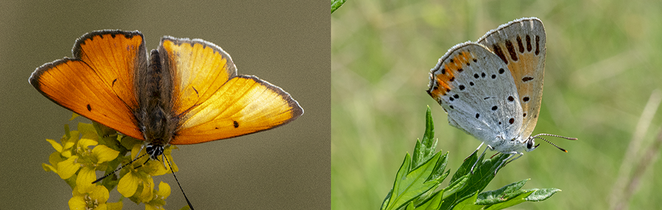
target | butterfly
[
  {"x": 184, "y": 92},
  {"x": 492, "y": 88}
]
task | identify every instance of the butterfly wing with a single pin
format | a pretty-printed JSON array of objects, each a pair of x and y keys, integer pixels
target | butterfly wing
[
  {"x": 212, "y": 102},
  {"x": 98, "y": 82},
  {"x": 521, "y": 45},
  {"x": 476, "y": 90}
]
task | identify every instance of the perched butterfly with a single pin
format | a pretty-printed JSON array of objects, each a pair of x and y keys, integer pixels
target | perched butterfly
[
  {"x": 492, "y": 88},
  {"x": 185, "y": 92}
]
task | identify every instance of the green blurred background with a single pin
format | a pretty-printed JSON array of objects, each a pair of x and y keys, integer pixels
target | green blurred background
[
  {"x": 284, "y": 42},
  {"x": 603, "y": 65}
]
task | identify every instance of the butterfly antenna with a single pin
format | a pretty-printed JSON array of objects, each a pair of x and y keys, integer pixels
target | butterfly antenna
[
  {"x": 180, "y": 186},
  {"x": 120, "y": 168},
  {"x": 553, "y": 135}
]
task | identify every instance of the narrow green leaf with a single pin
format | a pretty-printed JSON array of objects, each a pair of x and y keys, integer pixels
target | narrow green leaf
[
  {"x": 399, "y": 177},
  {"x": 465, "y": 168},
  {"x": 335, "y": 4},
  {"x": 483, "y": 174},
  {"x": 542, "y": 194},
  {"x": 426, "y": 146},
  {"x": 414, "y": 183},
  {"x": 433, "y": 202},
  {"x": 511, "y": 202},
  {"x": 386, "y": 200},
  {"x": 468, "y": 204},
  {"x": 502, "y": 194}
]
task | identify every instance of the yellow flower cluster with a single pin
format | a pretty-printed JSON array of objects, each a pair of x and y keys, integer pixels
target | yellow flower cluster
[{"x": 94, "y": 147}]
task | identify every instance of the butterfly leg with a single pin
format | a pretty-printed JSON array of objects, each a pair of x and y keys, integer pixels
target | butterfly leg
[
  {"x": 479, "y": 146},
  {"x": 510, "y": 158},
  {"x": 481, "y": 156}
]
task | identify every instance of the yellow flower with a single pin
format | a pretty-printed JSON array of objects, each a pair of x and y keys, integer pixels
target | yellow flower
[
  {"x": 159, "y": 197},
  {"x": 93, "y": 198},
  {"x": 137, "y": 182},
  {"x": 94, "y": 147}
]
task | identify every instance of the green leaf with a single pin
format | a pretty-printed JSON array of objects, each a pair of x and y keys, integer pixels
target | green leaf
[
  {"x": 502, "y": 194},
  {"x": 425, "y": 148},
  {"x": 409, "y": 186},
  {"x": 511, "y": 202},
  {"x": 335, "y": 4},
  {"x": 468, "y": 204},
  {"x": 542, "y": 194},
  {"x": 483, "y": 173}
]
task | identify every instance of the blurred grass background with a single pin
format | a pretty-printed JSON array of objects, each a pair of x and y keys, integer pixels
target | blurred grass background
[{"x": 602, "y": 69}]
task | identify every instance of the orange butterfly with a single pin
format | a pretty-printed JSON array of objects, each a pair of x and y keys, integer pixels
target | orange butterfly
[{"x": 188, "y": 92}]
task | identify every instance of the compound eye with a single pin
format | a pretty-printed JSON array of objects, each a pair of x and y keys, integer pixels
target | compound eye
[{"x": 529, "y": 144}]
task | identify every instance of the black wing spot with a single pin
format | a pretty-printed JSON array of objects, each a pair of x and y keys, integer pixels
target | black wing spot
[
  {"x": 497, "y": 50},
  {"x": 476, "y": 76},
  {"x": 529, "y": 47},
  {"x": 501, "y": 71},
  {"x": 511, "y": 50},
  {"x": 525, "y": 99},
  {"x": 443, "y": 71},
  {"x": 456, "y": 96},
  {"x": 519, "y": 44},
  {"x": 236, "y": 124},
  {"x": 89, "y": 108},
  {"x": 483, "y": 74},
  {"x": 451, "y": 106},
  {"x": 511, "y": 121},
  {"x": 460, "y": 69},
  {"x": 494, "y": 108},
  {"x": 451, "y": 98},
  {"x": 511, "y": 98},
  {"x": 462, "y": 87},
  {"x": 524, "y": 115},
  {"x": 537, "y": 45},
  {"x": 493, "y": 76},
  {"x": 452, "y": 79},
  {"x": 526, "y": 79},
  {"x": 475, "y": 60},
  {"x": 471, "y": 83},
  {"x": 477, "y": 115}
]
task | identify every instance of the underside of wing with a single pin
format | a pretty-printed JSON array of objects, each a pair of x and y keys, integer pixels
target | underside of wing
[
  {"x": 521, "y": 45},
  {"x": 98, "y": 82},
  {"x": 476, "y": 90},
  {"x": 243, "y": 105}
]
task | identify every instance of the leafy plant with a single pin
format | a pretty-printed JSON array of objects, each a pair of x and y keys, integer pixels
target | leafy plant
[
  {"x": 335, "y": 4},
  {"x": 418, "y": 181}
]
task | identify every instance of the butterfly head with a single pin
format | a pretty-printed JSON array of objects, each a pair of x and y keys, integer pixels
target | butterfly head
[
  {"x": 154, "y": 151},
  {"x": 531, "y": 144}
]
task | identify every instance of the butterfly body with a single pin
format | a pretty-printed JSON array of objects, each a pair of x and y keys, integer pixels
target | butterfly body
[
  {"x": 492, "y": 88},
  {"x": 184, "y": 92}
]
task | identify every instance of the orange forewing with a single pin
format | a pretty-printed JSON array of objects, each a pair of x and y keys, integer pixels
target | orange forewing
[
  {"x": 199, "y": 68},
  {"x": 213, "y": 102},
  {"x": 98, "y": 82}
]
